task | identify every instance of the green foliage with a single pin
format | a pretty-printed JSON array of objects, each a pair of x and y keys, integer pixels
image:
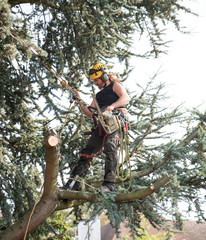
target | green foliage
[
  {"x": 71, "y": 36},
  {"x": 60, "y": 223},
  {"x": 144, "y": 231},
  {"x": 5, "y": 19}
]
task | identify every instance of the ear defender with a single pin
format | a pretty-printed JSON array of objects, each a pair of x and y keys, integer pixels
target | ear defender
[{"x": 104, "y": 76}]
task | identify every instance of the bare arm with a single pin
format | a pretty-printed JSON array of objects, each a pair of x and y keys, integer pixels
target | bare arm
[
  {"x": 84, "y": 108},
  {"x": 123, "y": 97}
]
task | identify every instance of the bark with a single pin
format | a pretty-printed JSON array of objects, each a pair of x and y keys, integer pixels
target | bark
[
  {"x": 52, "y": 144},
  {"x": 17, "y": 231},
  {"x": 143, "y": 193}
]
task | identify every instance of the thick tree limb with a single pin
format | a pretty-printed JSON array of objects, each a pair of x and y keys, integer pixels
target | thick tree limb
[
  {"x": 74, "y": 195},
  {"x": 52, "y": 143},
  {"x": 122, "y": 197},
  {"x": 49, "y": 201},
  {"x": 44, "y": 208}
]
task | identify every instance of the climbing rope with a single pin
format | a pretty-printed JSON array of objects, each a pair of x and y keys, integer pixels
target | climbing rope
[
  {"x": 32, "y": 212},
  {"x": 124, "y": 149}
]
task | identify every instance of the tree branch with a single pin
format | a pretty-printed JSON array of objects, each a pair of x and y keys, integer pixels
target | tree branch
[
  {"x": 167, "y": 156},
  {"x": 38, "y": 2},
  {"x": 52, "y": 144},
  {"x": 122, "y": 197},
  {"x": 76, "y": 195},
  {"x": 16, "y": 232},
  {"x": 143, "y": 193}
]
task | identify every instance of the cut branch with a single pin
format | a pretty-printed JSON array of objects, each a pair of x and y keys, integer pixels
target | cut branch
[{"x": 52, "y": 143}]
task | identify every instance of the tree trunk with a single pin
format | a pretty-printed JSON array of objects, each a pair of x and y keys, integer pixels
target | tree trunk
[{"x": 43, "y": 209}]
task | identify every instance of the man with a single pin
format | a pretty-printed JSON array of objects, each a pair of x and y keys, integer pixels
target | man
[{"x": 112, "y": 96}]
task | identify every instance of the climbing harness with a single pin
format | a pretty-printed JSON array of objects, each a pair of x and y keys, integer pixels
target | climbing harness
[{"x": 111, "y": 122}]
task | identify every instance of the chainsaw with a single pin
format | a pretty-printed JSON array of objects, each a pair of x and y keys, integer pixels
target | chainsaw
[{"x": 109, "y": 122}]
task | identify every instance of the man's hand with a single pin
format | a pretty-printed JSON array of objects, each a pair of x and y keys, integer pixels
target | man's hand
[
  {"x": 110, "y": 108},
  {"x": 76, "y": 93}
]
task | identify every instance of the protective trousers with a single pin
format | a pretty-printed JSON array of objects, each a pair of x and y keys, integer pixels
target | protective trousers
[{"x": 93, "y": 147}]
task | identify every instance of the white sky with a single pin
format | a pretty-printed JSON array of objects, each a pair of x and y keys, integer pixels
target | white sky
[{"x": 183, "y": 69}]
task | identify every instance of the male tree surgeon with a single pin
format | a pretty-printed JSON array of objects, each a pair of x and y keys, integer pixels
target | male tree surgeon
[{"x": 111, "y": 97}]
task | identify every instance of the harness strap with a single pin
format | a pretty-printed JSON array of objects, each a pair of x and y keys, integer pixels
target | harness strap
[
  {"x": 95, "y": 124},
  {"x": 126, "y": 126},
  {"x": 100, "y": 129},
  {"x": 89, "y": 133},
  {"x": 86, "y": 155}
]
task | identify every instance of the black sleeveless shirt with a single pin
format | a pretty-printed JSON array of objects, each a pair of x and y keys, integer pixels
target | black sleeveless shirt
[{"x": 106, "y": 96}]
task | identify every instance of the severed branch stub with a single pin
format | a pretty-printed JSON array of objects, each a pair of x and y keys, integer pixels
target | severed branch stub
[
  {"x": 51, "y": 138},
  {"x": 52, "y": 141}
]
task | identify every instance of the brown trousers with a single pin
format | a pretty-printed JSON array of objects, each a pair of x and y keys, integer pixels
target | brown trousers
[{"x": 93, "y": 146}]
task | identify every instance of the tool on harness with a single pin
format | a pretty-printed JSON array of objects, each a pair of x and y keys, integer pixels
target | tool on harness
[{"x": 108, "y": 121}]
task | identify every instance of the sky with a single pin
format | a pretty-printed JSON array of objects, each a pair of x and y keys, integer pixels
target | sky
[{"x": 183, "y": 69}]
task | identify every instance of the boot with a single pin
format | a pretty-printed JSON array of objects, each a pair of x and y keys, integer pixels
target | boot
[
  {"x": 80, "y": 170},
  {"x": 107, "y": 187},
  {"x": 71, "y": 185}
]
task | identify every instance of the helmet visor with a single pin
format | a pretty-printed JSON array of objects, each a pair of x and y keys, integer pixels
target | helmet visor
[
  {"x": 92, "y": 71},
  {"x": 95, "y": 73}
]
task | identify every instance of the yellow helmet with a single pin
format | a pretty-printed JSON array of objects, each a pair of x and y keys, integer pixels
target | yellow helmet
[{"x": 97, "y": 71}]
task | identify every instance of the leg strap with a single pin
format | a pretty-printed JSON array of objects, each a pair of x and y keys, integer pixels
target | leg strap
[
  {"x": 98, "y": 153},
  {"x": 86, "y": 155}
]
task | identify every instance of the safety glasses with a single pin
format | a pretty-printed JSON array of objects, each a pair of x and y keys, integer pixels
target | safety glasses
[{"x": 92, "y": 71}]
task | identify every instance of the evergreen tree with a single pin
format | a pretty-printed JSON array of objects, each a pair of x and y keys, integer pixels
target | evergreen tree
[{"x": 71, "y": 36}]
